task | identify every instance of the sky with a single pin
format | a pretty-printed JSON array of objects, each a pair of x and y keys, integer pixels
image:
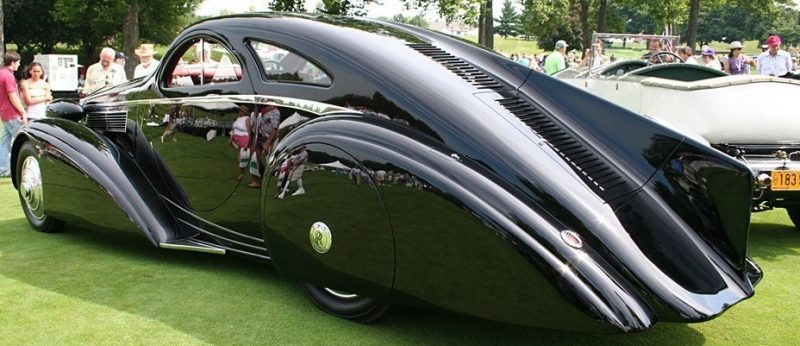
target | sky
[{"x": 386, "y": 8}]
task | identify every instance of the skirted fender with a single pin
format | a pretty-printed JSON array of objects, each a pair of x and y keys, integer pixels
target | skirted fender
[
  {"x": 87, "y": 180},
  {"x": 465, "y": 240}
]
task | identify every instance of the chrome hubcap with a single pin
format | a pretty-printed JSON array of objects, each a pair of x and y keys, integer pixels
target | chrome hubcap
[{"x": 30, "y": 187}]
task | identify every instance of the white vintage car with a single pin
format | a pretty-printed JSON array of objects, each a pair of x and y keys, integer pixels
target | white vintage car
[{"x": 750, "y": 117}]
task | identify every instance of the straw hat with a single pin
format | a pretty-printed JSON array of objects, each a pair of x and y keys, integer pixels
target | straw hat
[
  {"x": 736, "y": 45},
  {"x": 145, "y": 49}
]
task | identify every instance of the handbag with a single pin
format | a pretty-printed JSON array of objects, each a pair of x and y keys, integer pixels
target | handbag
[
  {"x": 254, "y": 164},
  {"x": 244, "y": 157}
]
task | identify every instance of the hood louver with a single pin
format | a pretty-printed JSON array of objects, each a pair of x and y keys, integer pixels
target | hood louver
[
  {"x": 592, "y": 169},
  {"x": 107, "y": 120},
  {"x": 458, "y": 66}
]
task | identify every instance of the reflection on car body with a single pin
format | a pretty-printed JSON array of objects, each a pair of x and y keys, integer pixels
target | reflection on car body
[{"x": 398, "y": 165}]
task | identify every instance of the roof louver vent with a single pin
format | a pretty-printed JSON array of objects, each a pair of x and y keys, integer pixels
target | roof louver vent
[
  {"x": 592, "y": 169},
  {"x": 458, "y": 66}
]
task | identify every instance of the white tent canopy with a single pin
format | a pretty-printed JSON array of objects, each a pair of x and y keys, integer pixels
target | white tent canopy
[{"x": 335, "y": 164}]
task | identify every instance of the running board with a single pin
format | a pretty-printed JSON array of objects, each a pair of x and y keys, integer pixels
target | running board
[{"x": 191, "y": 245}]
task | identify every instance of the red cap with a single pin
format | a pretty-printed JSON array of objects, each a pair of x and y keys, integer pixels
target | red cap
[{"x": 774, "y": 41}]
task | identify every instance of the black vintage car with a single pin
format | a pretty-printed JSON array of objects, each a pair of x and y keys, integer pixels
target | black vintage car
[{"x": 380, "y": 163}]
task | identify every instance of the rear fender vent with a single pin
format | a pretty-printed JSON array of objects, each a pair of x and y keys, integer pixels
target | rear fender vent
[
  {"x": 107, "y": 120},
  {"x": 458, "y": 66},
  {"x": 600, "y": 176}
]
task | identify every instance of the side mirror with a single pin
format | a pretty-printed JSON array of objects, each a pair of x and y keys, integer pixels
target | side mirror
[{"x": 65, "y": 110}]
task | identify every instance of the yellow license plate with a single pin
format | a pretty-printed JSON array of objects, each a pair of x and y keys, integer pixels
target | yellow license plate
[{"x": 785, "y": 180}]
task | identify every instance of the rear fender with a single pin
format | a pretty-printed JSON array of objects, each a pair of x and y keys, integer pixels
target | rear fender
[{"x": 528, "y": 271}]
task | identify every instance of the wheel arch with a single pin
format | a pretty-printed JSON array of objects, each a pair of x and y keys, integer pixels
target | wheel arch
[
  {"x": 468, "y": 187},
  {"x": 90, "y": 165}
]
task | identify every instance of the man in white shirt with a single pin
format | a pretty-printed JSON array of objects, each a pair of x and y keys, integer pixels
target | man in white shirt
[
  {"x": 104, "y": 73},
  {"x": 687, "y": 54},
  {"x": 147, "y": 64},
  {"x": 775, "y": 61}
]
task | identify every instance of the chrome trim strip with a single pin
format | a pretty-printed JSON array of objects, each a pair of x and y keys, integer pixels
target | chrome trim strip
[
  {"x": 313, "y": 107},
  {"x": 259, "y": 240},
  {"x": 214, "y": 235},
  {"x": 216, "y": 251}
]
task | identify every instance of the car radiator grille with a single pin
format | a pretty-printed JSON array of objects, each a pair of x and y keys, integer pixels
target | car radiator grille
[
  {"x": 107, "y": 120},
  {"x": 592, "y": 169},
  {"x": 458, "y": 66}
]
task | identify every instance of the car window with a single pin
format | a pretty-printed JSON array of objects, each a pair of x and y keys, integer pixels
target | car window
[
  {"x": 283, "y": 65},
  {"x": 205, "y": 62}
]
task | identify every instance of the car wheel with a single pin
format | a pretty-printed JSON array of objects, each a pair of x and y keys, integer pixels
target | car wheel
[
  {"x": 31, "y": 194},
  {"x": 794, "y": 214},
  {"x": 346, "y": 305}
]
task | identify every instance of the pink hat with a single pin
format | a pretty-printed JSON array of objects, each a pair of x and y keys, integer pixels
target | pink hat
[{"x": 774, "y": 41}]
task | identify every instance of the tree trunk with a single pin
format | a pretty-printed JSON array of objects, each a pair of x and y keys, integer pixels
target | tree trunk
[
  {"x": 2, "y": 37},
  {"x": 130, "y": 36},
  {"x": 488, "y": 30},
  {"x": 694, "y": 20},
  {"x": 586, "y": 35},
  {"x": 601, "y": 16},
  {"x": 481, "y": 33}
]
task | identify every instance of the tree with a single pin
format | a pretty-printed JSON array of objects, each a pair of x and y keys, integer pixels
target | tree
[
  {"x": 343, "y": 7},
  {"x": 694, "y": 20},
  {"x": 552, "y": 20},
  {"x": 508, "y": 23},
  {"x": 2, "y": 32},
  {"x": 32, "y": 38},
  {"x": 602, "y": 8},
  {"x": 486, "y": 24},
  {"x": 288, "y": 5},
  {"x": 93, "y": 24},
  {"x": 416, "y": 20},
  {"x": 477, "y": 12}
]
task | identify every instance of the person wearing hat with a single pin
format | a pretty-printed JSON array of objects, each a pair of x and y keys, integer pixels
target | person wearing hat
[
  {"x": 104, "y": 73},
  {"x": 147, "y": 64},
  {"x": 738, "y": 63},
  {"x": 710, "y": 59},
  {"x": 775, "y": 61},
  {"x": 557, "y": 60}
]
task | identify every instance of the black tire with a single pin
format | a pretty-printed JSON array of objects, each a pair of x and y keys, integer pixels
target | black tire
[
  {"x": 794, "y": 214},
  {"x": 351, "y": 307},
  {"x": 31, "y": 193}
]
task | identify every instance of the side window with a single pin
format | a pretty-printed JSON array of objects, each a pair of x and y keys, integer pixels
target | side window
[
  {"x": 205, "y": 62},
  {"x": 285, "y": 66}
]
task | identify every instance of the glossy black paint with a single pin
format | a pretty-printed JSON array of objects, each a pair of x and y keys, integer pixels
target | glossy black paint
[{"x": 488, "y": 161}]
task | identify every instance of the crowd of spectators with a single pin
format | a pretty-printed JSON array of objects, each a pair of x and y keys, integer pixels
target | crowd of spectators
[{"x": 773, "y": 61}]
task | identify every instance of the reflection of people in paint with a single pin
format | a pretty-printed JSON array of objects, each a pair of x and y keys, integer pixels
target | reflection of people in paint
[
  {"x": 240, "y": 138},
  {"x": 266, "y": 130},
  {"x": 171, "y": 120},
  {"x": 296, "y": 166}
]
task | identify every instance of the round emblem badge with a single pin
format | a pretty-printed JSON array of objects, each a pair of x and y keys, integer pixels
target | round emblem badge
[
  {"x": 320, "y": 237},
  {"x": 572, "y": 239}
]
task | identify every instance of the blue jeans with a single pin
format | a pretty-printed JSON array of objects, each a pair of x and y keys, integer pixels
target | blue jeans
[{"x": 10, "y": 129}]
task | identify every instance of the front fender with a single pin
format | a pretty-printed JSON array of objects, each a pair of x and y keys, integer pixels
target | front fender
[{"x": 88, "y": 179}]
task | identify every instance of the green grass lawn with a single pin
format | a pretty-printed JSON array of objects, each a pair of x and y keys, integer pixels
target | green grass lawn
[{"x": 94, "y": 287}]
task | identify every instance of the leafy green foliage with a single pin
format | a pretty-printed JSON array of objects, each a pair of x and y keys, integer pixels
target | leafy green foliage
[
  {"x": 552, "y": 20},
  {"x": 343, "y": 7},
  {"x": 417, "y": 20},
  {"x": 30, "y": 25},
  {"x": 288, "y": 5},
  {"x": 91, "y": 24},
  {"x": 509, "y": 21}
]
